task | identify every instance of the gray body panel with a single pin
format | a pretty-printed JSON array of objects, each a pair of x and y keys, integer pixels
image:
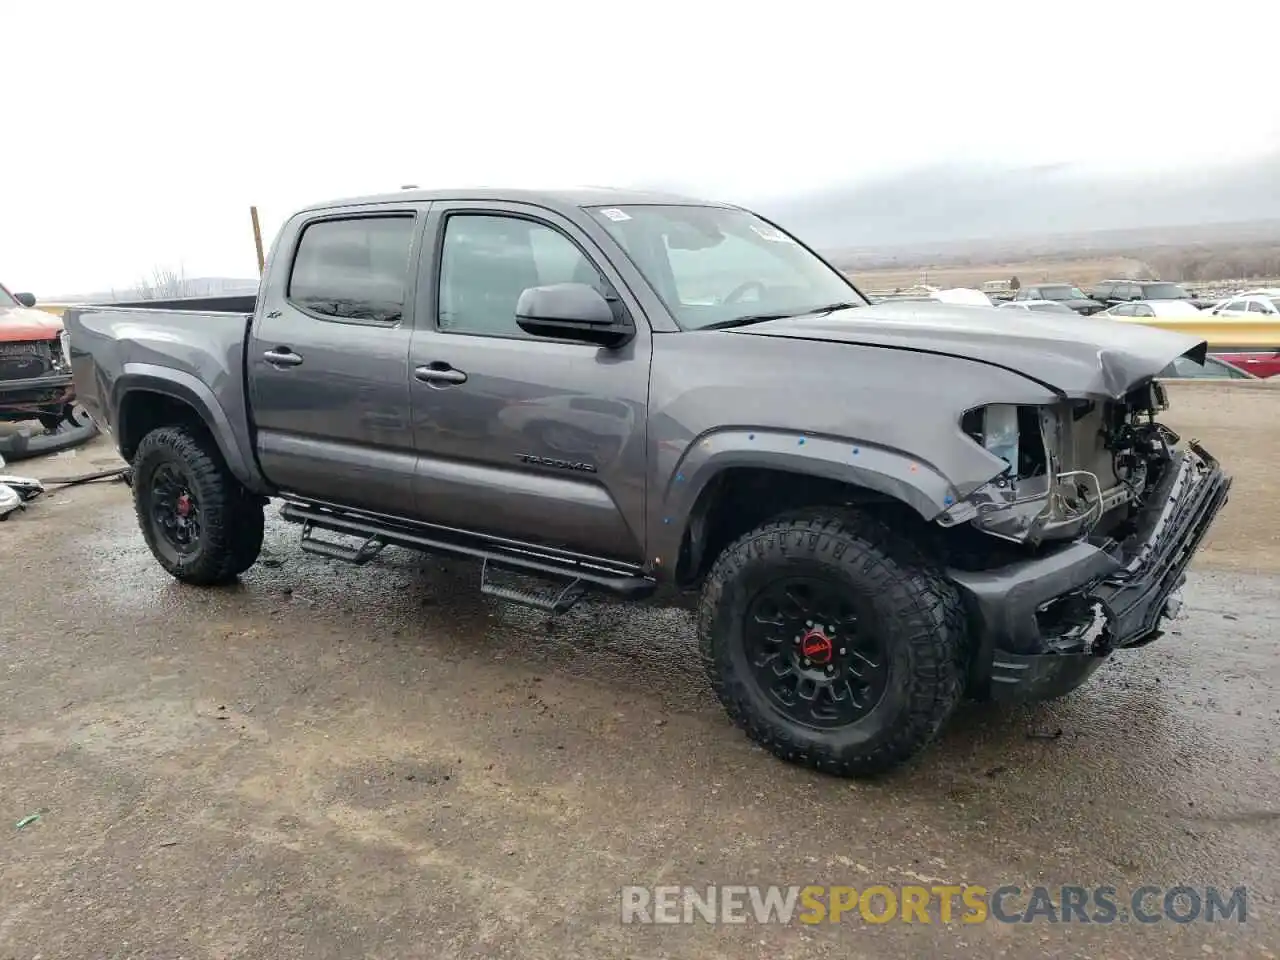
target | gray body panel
[
  {"x": 337, "y": 426},
  {"x": 1077, "y": 356},
  {"x": 194, "y": 357},
  {"x": 486, "y": 447},
  {"x": 602, "y": 452}
]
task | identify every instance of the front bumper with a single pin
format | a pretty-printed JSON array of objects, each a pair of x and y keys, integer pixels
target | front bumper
[
  {"x": 1040, "y": 626},
  {"x": 36, "y": 391}
]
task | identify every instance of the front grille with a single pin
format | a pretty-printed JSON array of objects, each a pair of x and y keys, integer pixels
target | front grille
[{"x": 27, "y": 360}]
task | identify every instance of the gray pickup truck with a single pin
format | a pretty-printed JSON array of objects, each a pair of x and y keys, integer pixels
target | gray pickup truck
[{"x": 880, "y": 509}]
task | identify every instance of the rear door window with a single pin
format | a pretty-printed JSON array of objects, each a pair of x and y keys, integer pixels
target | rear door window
[{"x": 354, "y": 269}]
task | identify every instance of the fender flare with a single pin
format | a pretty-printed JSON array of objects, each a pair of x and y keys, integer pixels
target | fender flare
[
  {"x": 182, "y": 386},
  {"x": 894, "y": 473}
]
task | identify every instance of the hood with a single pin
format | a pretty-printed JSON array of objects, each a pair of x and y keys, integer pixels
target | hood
[
  {"x": 26, "y": 323},
  {"x": 1073, "y": 356}
]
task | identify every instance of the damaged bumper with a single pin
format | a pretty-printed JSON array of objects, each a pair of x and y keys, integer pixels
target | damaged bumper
[
  {"x": 1042, "y": 625},
  {"x": 36, "y": 391}
]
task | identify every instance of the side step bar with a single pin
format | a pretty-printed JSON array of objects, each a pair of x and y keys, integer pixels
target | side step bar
[
  {"x": 561, "y": 602},
  {"x": 378, "y": 533}
]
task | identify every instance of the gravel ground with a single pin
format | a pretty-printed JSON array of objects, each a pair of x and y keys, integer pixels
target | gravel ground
[{"x": 326, "y": 761}]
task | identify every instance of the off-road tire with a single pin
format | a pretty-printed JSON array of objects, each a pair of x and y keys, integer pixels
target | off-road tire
[
  {"x": 247, "y": 533},
  {"x": 231, "y": 526},
  {"x": 919, "y": 620}
]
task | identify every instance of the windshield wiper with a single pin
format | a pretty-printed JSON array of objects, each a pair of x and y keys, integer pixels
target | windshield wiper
[
  {"x": 746, "y": 321},
  {"x": 830, "y": 308},
  {"x": 764, "y": 317}
]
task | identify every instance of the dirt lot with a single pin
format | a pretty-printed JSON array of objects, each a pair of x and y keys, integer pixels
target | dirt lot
[{"x": 379, "y": 762}]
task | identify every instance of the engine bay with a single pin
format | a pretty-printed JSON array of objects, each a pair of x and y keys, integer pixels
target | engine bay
[{"x": 1075, "y": 468}]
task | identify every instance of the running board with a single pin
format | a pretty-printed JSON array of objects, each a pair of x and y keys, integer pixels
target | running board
[
  {"x": 562, "y": 602},
  {"x": 378, "y": 534}
]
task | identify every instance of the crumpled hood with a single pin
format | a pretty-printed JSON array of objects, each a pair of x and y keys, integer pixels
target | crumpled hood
[
  {"x": 26, "y": 323},
  {"x": 1074, "y": 356}
]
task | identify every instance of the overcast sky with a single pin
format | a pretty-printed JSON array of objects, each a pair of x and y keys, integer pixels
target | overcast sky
[{"x": 137, "y": 135}]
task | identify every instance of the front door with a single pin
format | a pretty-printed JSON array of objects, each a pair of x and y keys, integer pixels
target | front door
[
  {"x": 542, "y": 441},
  {"x": 329, "y": 359}
]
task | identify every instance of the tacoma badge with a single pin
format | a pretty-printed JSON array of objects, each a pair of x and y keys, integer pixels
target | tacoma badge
[{"x": 561, "y": 464}]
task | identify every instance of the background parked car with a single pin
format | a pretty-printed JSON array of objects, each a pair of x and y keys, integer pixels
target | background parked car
[
  {"x": 35, "y": 363},
  {"x": 1244, "y": 353},
  {"x": 1040, "y": 306},
  {"x": 1064, "y": 293},
  {"x": 1119, "y": 291},
  {"x": 1249, "y": 304},
  {"x": 1212, "y": 369},
  {"x": 1154, "y": 309}
]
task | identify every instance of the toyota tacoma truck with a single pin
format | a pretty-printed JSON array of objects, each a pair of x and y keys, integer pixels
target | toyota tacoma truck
[{"x": 879, "y": 509}]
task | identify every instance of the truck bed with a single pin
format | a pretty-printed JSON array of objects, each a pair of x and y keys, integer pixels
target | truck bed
[
  {"x": 191, "y": 350},
  {"x": 240, "y": 303}
]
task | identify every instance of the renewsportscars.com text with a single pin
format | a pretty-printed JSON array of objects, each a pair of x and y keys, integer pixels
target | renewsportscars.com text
[{"x": 970, "y": 903}]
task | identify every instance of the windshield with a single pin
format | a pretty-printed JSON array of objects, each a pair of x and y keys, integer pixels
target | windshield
[
  {"x": 6, "y": 298},
  {"x": 1165, "y": 291},
  {"x": 716, "y": 265},
  {"x": 1052, "y": 308},
  {"x": 1063, "y": 292}
]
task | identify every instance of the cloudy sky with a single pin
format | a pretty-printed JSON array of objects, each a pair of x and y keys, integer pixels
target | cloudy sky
[{"x": 138, "y": 134}]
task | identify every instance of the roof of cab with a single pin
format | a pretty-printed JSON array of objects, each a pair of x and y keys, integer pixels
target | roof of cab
[{"x": 552, "y": 199}]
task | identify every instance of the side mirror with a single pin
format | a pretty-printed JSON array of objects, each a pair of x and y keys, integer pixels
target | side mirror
[
  {"x": 572, "y": 311},
  {"x": 26, "y": 299}
]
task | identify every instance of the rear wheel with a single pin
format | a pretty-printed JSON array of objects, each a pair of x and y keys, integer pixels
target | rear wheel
[
  {"x": 832, "y": 642},
  {"x": 200, "y": 523}
]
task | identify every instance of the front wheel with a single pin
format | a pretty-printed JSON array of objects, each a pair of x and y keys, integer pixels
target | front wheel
[
  {"x": 202, "y": 526},
  {"x": 832, "y": 642}
]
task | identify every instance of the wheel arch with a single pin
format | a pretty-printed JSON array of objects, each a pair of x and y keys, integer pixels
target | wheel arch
[
  {"x": 726, "y": 484},
  {"x": 145, "y": 398}
]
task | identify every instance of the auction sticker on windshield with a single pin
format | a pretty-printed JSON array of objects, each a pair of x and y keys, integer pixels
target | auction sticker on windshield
[
  {"x": 616, "y": 215},
  {"x": 771, "y": 233}
]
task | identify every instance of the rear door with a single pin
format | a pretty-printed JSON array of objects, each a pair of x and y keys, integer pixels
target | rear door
[
  {"x": 329, "y": 358},
  {"x": 538, "y": 440}
]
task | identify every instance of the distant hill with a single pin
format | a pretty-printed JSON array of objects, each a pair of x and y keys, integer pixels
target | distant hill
[
  {"x": 945, "y": 204},
  {"x": 191, "y": 287}
]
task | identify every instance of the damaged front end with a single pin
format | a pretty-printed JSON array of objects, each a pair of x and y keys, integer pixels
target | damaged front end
[
  {"x": 1106, "y": 511},
  {"x": 1070, "y": 465}
]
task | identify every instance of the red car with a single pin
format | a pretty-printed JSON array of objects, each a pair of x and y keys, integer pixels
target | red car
[
  {"x": 35, "y": 363},
  {"x": 1261, "y": 363}
]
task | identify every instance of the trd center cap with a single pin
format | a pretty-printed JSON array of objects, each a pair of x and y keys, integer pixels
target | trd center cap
[{"x": 816, "y": 646}]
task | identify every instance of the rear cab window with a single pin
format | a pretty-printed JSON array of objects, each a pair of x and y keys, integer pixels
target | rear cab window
[{"x": 353, "y": 269}]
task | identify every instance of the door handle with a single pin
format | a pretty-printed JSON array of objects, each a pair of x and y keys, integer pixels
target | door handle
[
  {"x": 282, "y": 357},
  {"x": 439, "y": 372}
]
